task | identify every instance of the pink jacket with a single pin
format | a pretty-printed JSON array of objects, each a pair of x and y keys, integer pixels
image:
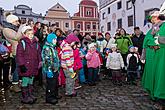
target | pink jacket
[
  {"x": 93, "y": 60},
  {"x": 77, "y": 60}
]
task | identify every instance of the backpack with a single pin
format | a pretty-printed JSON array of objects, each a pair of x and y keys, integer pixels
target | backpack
[
  {"x": 24, "y": 45},
  {"x": 133, "y": 63}
]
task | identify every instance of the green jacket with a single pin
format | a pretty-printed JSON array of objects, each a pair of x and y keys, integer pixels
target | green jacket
[
  {"x": 50, "y": 58},
  {"x": 123, "y": 42}
]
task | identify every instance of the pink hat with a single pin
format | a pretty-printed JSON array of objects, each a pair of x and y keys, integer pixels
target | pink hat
[{"x": 71, "y": 38}]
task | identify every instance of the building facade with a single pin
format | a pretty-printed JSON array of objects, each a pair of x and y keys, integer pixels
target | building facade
[
  {"x": 87, "y": 18},
  {"x": 25, "y": 13},
  {"x": 60, "y": 16},
  {"x": 1, "y": 15},
  {"x": 116, "y": 14}
]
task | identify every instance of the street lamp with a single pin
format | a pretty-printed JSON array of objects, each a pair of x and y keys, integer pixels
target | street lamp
[{"x": 134, "y": 12}]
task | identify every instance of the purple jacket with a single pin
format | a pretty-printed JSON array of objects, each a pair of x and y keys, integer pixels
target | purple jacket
[{"x": 30, "y": 56}]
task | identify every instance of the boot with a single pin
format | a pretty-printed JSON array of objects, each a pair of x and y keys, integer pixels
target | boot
[
  {"x": 50, "y": 98},
  {"x": 16, "y": 88},
  {"x": 31, "y": 91},
  {"x": 25, "y": 96}
]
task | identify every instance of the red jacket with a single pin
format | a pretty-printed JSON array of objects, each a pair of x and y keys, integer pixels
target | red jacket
[
  {"x": 30, "y": 56},
  {"x": 77, "y": 60}
]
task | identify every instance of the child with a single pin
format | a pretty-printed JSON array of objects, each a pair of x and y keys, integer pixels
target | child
[
  {"x": 115, "y": 63},
  {"x": 132, "y": 62},
  {"x": 50, "y": 68},
  {"x": 67, "y": 63},
  {"x": 28, "y": 58},
  {"x": 4, "y": 65},
  {"x": 93, "y": 64},
  {"x": 77, "y": 63}
]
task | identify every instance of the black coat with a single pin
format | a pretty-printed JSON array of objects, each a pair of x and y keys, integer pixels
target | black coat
[{"x": 138, "y": 42}]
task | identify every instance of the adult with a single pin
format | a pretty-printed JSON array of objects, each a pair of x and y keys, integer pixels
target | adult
[
  {"x": 138, "y": 39},
  {"x": 13, "y": 34},
  {"x": 101, "y": 42},
  {"x": 123, "y": 42},
  {"x": 87, "y": 40},
  {"x": 153, "y": 76},
  {"x": 110, "y": 40}
]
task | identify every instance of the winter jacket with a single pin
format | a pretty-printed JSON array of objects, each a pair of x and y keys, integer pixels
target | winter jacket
[
  {"x": 123, "y": 42},
  {"x": 138, "y": 42},
  {"x": 101, "y": 44},
  {"x": 29, "y": 56},
  {"x": 50, "y": 59},
  {"x": 77, "y": 60},
  {"x": 13, "y": 37},
  {"x": 93, "y": 60},
  {"x": 67, "y": 58},
  {"x": 111, "y": 41},
  {"x": 129, "y": 56},
  {"x": 114, "y": 61}
]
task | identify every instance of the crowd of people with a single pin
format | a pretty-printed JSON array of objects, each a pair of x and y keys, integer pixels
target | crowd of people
[{"x": 36, "y": 51}]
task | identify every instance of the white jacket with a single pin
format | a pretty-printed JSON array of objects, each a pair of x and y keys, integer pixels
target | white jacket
[
  {"x": 114, "y": 61},
  {"x": 110, "y": 42}
]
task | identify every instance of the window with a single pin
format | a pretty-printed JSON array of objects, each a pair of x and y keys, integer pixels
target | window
[
  {"x": 94, "y": 26},
  {"x": 58, "y": 7},
  {"x": 109, "y": 26},
  {"x": 78, "y": 25},
  {"x": 130, "y": 21},
  {"x": 103, "y": 15},
  {"x": 109, "y": 10},
  {"x": 66, "y": 25},
  {"x": 23, "y": 11},
  {"x": 129, "y": 4},
  {"x": 119, "y": 5},
  {"x": 102, "y": 29},
  {"x": 88, "y": 27},
  {"x": 57, "y": 24},
  {"x": 119, "y": 21},
  {"x": 88, "y": 13}
]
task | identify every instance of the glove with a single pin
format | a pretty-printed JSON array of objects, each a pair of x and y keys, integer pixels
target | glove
[
  {"x": 23, "y": 69},
  {"x": 49, "y": 74}
]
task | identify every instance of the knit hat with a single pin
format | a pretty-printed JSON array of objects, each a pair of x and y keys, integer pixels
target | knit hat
[
  {"x": 113, "y": 46},
  {"x": 131, "y": 47},
  {"x": 107, "y": 33},
  {"x": 155, "y": 13},
  {"x": 24, "y": 28},
  {"x": 91, "y": 45},
  {"x": 11, "y": 18},
  {"x": 71, "y": 38},
  {"x": 100, "y": 34},
  {"x": 50, "y": 37}
]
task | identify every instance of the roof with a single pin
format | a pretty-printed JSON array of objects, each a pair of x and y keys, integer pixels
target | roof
[{"x": 88, "y": 2}]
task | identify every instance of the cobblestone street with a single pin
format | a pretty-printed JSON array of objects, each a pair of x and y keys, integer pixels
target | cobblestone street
[{"x": 104, "y": 96}]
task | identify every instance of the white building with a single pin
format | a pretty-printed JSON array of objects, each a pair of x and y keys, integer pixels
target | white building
[
  {"x": 25, "y": 13},
  {"x": 1, "y": 15},
  {"x": 115, "y": 14}
]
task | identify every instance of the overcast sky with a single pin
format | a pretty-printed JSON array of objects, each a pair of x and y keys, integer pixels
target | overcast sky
[{"x": 41, "y": 6}]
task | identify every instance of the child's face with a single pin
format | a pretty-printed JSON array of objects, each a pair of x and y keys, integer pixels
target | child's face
[
  {"x": 114, "y": 49},
  {"x": 93, "y": 48},
  {"x": 132, "y": 49},
  {"x": 29, "y": 34},
  {"x": 54, "y": 41}
]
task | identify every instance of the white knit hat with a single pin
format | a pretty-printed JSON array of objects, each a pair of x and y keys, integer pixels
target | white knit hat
[
  {"x": 24, "y": 28},
  {"x": 155, "y": 13},
  {"x": 11, "y": 18},
  {"x": 91, "y": 45}
]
